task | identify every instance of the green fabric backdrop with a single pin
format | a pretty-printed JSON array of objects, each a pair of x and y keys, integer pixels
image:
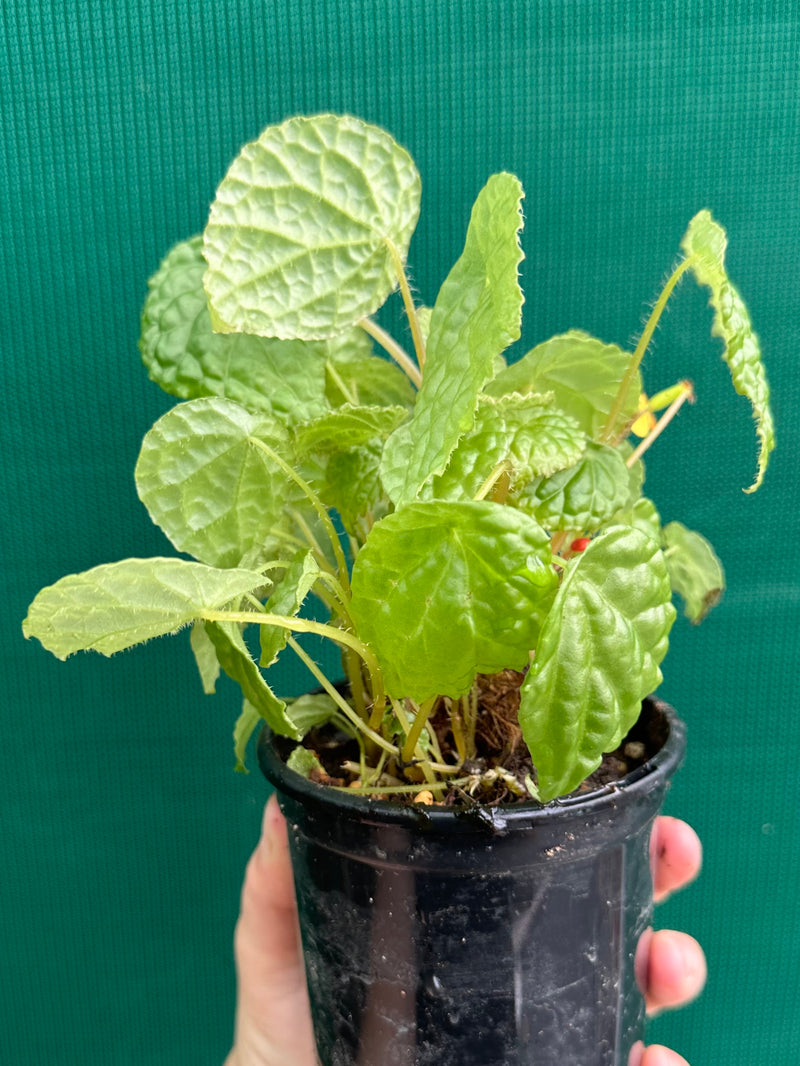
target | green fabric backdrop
[{"x": 124, "y": 831}]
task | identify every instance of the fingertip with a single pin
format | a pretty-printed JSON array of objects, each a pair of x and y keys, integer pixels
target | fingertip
[
  {"x": 674, "y": 969},
  {"x": 658, "y": 1055},
  {"x": 676, "y": 855}
]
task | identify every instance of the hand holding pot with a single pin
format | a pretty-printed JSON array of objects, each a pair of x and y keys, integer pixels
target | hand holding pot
[{"x": 273, "y": 1024}]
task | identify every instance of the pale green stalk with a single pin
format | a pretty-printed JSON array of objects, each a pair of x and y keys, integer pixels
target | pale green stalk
[
  {"x": 390, "y": 345},
  {"x": 408, "y": 302}
]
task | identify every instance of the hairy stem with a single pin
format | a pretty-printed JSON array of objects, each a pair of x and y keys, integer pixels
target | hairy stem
[
  {"x": 641, "y": 348},
  {"x": 390, "y": 345},
  {"x": 316, "y": 503},
  {"x": 408, "y": 302},
  {"x": 339, "y": 699}
]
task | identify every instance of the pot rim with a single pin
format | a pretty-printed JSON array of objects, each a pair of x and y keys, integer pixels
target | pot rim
[{"x": 651, "y": 774}]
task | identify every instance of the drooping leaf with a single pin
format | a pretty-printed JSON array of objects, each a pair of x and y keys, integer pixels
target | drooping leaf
[
  {"x": 694, "y": 569},
  {"x": 205, "y": 656},
  {"x": 476, "y": 316},
  {"x": 286, "y": 599},
  {"x": 117, "y": 605},
  {"x": 442, "y": 591},
  {"x": 354, "y": 375},
  {"x": 184, "y": 356},
  {"x": 347, "y": 427},
  {"x": 235, "y": 659},
  {"x": 597, "y": 658},
  {"x": 245, "y": 726},
  {"x": 527, "y": 432},
  {"x": 582, "y": 372},
  {"x": 704, "y": 245},
  {"x": 354, "y": 488},
  {"x": 582, "y": 497},
  {"x": 208, "y": 485},
  {"x": 297, "y": 238}
]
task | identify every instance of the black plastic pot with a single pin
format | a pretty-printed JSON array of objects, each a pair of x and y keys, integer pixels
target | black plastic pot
[{"x": 484, "y": 937}]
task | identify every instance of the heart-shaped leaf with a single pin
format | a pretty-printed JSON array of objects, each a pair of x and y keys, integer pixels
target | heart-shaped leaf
[
  {"x": 442, "y": 591},
  {"x": 206, "y": 482}
]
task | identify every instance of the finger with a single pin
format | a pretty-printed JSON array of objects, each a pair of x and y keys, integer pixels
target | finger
[
  {"x": 676, "y": 856},
  {"x": 655, "y": 1055},
  {"x": 670, "y": 969},
  {"x": 267, "y": 939}
]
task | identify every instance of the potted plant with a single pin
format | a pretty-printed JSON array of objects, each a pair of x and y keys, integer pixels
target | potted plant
[{"x": 470, "y": 806}]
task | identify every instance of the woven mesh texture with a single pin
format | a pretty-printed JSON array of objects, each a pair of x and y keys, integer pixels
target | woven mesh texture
[{"x": 124, "y": 832}]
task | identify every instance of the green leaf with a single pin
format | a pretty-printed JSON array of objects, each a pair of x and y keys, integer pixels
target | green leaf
[
  {"x": 695, "y": 570},
  {"x": 117, "y": 605},
  {"x": 704, "y": 245},
  {"x": 245, "y": 726},
  {"x": 184, "y": 356},
  {"x": 597, "y": 658},
  {"x": 206, "y": 482},
  {"x": 314, "y": 709},
  {"x": 304, "y": 762},
  {"x": 642, "y": 515},
  {"x": 582, "y": 497},
  {"x": 527, "y": 432},
  {"x": 354, "y": 488},
  {"x": 235, "y": 659},
  {"x": 442, "y": 591},
  {"x": 297, "y": 241},
  {"x": 205, "y": 656},
  {"x": 477, "y": 314},
  {"x": 354, "y": 375},
  {"x": 582, "y": 372},
  {"x": 347, "y": 427},
  {"x": 286, "y": 599}
]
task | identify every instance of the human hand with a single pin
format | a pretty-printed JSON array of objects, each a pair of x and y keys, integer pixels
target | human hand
[{"x": 273, "y": 1021}]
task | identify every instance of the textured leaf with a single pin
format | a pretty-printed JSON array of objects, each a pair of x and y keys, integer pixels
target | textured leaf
[
  {"x": 347, "y": 427},
  {"x": 205, "y": 656},
  {"x": 117, "y": 605},
  {"x": 582, "y": 497},
  {"x": 286, "y": 599},
  {"x": 235, "y": 659},
  {"x": 354, "y": 375},
  {"x": 694, "y": 569},
  {"x": 206, "y": 483},
  {"x": 582, "y": 372},
  {"x": 642, "y": 515},
  {"x": 353, "y": 487},
  {"x": 597, "y": 658},
  {"x": 477, "y": 314},
  {"x": 442, "y": 591},
  {"x": 704, "y": 245},
  {"x": 528, "y": 432},
  {"x": 296, "y": 241},
  {"x": 188, "y": 360}
]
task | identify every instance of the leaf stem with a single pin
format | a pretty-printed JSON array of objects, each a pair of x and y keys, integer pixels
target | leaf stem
[
  {"x": 419, "y": 723},
  {"x": 315, "y": 502},
  {"x": 389, "y": 344},
  {"x": 305, "y": 625},
  {"x": 649, "y": 329},
  {"x": 687, "y": 393},
  {"x": 408, "y": 302},
  {"x": 339, "y": 699},
  {"x": 494, "y": 479}
]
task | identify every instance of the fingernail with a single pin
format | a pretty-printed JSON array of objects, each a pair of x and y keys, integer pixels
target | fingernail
[
  {"x": 269, "y": 822},
  {"x": 637, "y": 1054}
]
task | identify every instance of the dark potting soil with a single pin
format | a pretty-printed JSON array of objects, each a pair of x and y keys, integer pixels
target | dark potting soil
[{"x": 499, "y": 743}]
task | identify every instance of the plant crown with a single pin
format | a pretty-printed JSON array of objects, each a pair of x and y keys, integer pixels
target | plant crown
[{"x": 456, "y": 515}]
